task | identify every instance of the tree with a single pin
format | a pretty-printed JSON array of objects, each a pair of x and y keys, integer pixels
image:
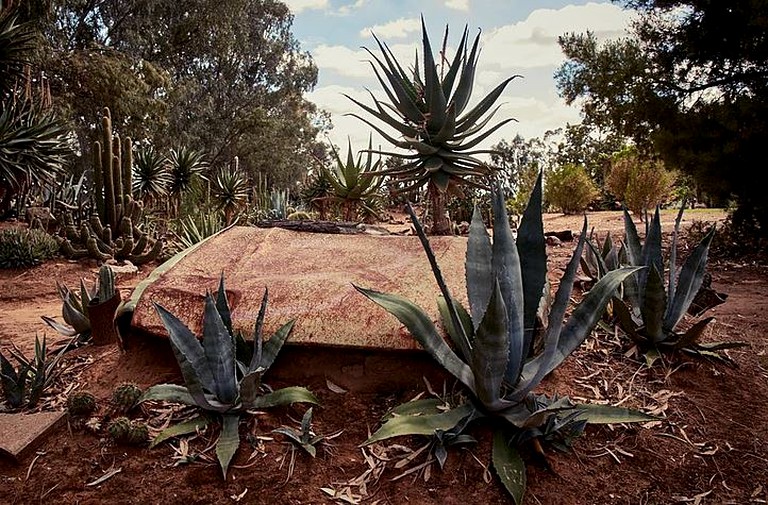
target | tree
[
  {"x": 521, "y": 161},
  {"x": 691, "y": 84},
  {"x": 227, "y": 78}
]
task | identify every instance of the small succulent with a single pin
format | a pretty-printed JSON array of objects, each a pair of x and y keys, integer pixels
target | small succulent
[
  {"x": 22, "y": 248},
  {"x": 125, "y": 396},
  {"x": 138, "y": 434},
  {"x": 119, "y": 429},
  {"x": 81, "y": 403},
  {"x": 25, "y": 385},
  {"x": 304, "y": 438}
]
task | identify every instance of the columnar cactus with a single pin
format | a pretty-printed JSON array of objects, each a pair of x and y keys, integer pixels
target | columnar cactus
[{"x": 111, "y": 231}]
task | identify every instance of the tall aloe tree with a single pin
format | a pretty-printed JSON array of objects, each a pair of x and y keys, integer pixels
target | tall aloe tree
[
  {"x": 429, "y": 112},
  {"x": 151, "y": 177}
]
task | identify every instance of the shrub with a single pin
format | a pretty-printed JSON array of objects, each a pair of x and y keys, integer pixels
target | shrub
[
  {"x": 569, "y": 189},
  {"x": 21, "y": 248},
  {"x": 641, "y": 183}
]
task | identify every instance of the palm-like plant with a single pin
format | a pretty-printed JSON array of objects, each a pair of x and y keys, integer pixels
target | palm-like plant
[
  {"x": 151, "y": 177},
  {"x": 429, "y": 112},
  {"x": 229, "y": 191},
  {"x": 186, "y": 166},
  {"x": 33, "y": 143},
  {"x": 222, "y": 374},
  {"x": 651, "y": 312},
  {"x": 493, "y": 353},
  {"x": 353, "y": 181}
]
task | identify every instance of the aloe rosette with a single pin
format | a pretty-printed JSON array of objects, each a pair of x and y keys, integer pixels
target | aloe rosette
[
  {"x": 215, "y": 378},
  {"x": 493, "y": 353},
  {"x": 352, "y": 181}
]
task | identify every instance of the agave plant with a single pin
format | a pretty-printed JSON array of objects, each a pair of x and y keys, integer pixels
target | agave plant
[
  {"x": 429, "y": 112},
  {"x": 305, "y": 438},
  {"x": 151, "y": 177},
  {"x": 353, "y": 182},
  {"x": 599, "y": 259},
  {"x": 217, "y": 378},
  {"x": 229, "y": 191},
  {"x": 74, "y": 309},
  {"x": 651, "y": 312},
  {"x": 495, "y": 357}
]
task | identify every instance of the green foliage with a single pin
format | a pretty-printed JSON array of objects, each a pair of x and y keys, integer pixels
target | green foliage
[
  {"x": 151, "y": 177},
  {"x": 316, "y": 194},
  {"x": 639, "y": 182},
  {"x": 74, "y": 309},
  {"x": 354, "y": 182},
  {"x": 428, "y": 111},
  {"x": 23, "y": 248},
  {"x": 599, "y": 259},
  {"x": 688, "y": 83},
  {"x": 229, "y": 191},
  {"x": 223, "y": 372},
  {"x": 495, "y": 355},
  {"x": 570, "y": 189},
  {"x": 190, "y": 230},
  {"x": 651, "y": 311},
  {"x": 25, "y": 385},
  {"x": 186, "y": 166}
]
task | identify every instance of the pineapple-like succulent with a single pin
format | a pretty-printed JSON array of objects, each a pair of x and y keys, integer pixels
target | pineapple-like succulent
[
  {"x": 119, "y": 429},
  {"x": 125, "y": 396},
  {"x": 81, "y": 403}
]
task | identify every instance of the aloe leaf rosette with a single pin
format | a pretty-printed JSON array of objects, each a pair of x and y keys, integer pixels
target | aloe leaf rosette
[
  {"x": 490, "y": 350},
  {"x": 428, "y": 108},
  {"x": 215, "y": 380}
]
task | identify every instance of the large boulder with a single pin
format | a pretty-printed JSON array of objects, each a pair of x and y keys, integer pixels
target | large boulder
[{"x": 309, "y": 277}]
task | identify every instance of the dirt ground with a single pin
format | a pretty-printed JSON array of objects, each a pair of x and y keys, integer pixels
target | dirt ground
[{"x": 711, "y": 446}]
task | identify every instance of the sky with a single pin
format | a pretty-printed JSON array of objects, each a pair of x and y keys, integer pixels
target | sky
[{"x": 516, "y": 37}]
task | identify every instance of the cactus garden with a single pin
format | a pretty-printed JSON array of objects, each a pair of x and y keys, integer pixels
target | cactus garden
[{"x": 225, "y": 286}]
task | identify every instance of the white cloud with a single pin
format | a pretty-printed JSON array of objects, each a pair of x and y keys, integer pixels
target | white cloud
[
  {"x": 298, "y": 6},
  {"x": 533, "y": 42},
  {"x": 394, "y": 29},
  {"x": 342, "y": 60},
  {"x": 346, "y": 10},
  {"x": 459, "y": 5}
]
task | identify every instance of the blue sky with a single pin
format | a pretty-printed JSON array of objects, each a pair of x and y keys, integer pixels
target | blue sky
[{"x": 517, "y": 37}]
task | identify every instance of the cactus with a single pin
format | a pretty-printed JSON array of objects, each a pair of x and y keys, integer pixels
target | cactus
[
  {"x": 119, "y": 429},
  {"x": 125, "y": 396},
  {"x": 111, "y": 231},
  {"x": 81, "y": 403},
  {"x": 138, "y": 434}
]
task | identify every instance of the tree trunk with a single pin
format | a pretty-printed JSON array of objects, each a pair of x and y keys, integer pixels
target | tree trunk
[{"x": 441, "y": 225}]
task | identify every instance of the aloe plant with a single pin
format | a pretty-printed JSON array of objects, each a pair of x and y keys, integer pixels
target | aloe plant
[
  {"x": 651, "y": 312},
  {"x": 25, "y": 385},
  {"x": 215, "y": 378},
  {"x": 354, "y": 182},
  {"x": 429, "y": 111},
  {"x": 493, "y": 354}
]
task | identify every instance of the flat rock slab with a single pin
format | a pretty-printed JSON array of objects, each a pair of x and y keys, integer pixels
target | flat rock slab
[
  {"x": 22, "y": 433},
  {"x": 310, "y": 277}
]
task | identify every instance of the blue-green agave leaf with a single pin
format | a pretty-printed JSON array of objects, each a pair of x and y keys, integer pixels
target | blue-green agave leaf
[
  {"x": 189, "y": 353},
  {"x": 608, "y": 414},
  {"x": 478, "y": 267},
  {"x": 219, "y": 349},
  {"x": 285, "y": 396},
  {"x": 229, "y": 441},
  {"x": 509, "y": 465},
  {"x": 222, "y": 305},
  {"x": 424, "y": 424},
  {"x": 689, "y": 282},
  {"x": 175, "y": 393},
  {"x": 423, "y": 330},
  {"x": 274, "y": 344},
  {"x": 654, "y": 305},
  {"x": 461, "y": 338},
  {"x": 426, "y": 406},
  {"x": 258, "y": 334},
  {"x": 489, "y": 353},
  {"x": 691, "y": 337},
  {"x": 532, "y": 249},
  {"x": 183, "y": 428},
  {"x": 673, "y": 257}
]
